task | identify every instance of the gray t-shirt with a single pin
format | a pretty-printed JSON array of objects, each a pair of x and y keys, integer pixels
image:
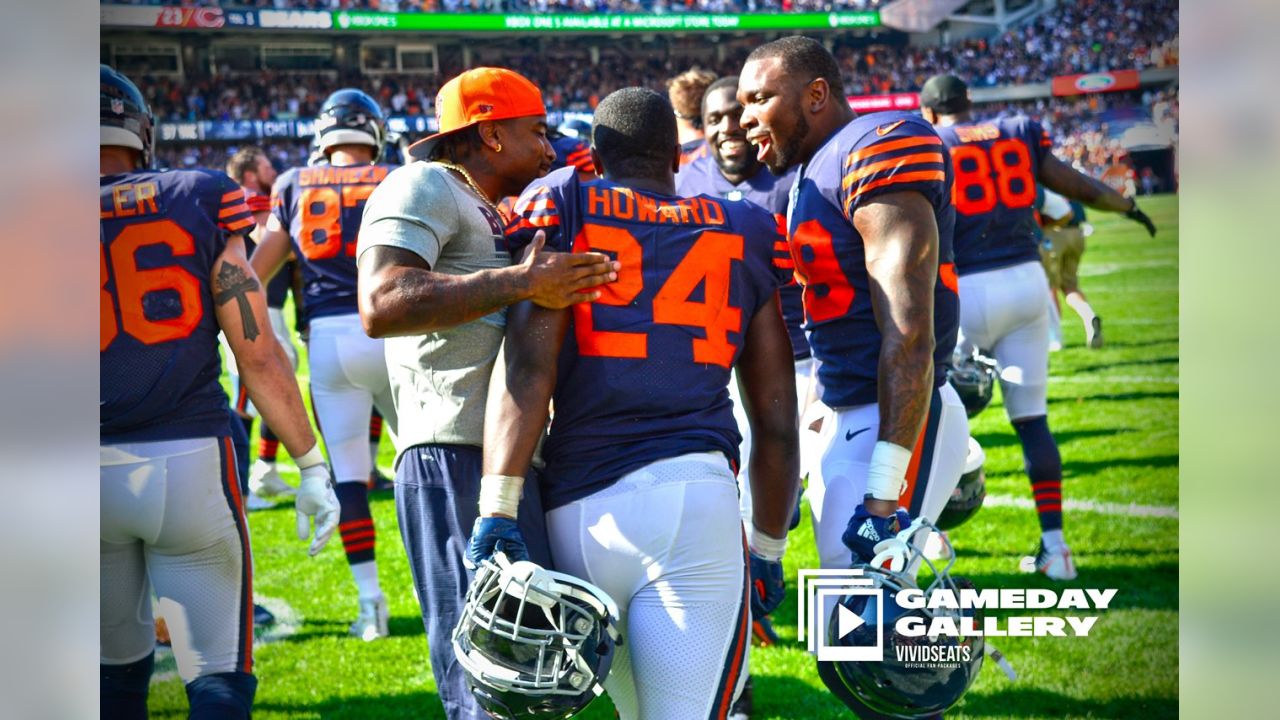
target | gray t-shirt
[{"x": 439, "y": 379}]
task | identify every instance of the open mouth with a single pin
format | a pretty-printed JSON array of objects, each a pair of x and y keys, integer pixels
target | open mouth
[
  {"x": 733, "y": 147},
  {"x": 764, "y": 144}
]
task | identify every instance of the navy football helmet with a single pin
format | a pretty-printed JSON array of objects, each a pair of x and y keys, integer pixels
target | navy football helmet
[
  {"x": 124, "y": 118},
  {"x": 967, "y": 498},
  {"x": 534, "y": 643},
  {"x": 895, "y": 688},
  {"x": 350, "y": 117},
  {"x": 974, "y": 379}
]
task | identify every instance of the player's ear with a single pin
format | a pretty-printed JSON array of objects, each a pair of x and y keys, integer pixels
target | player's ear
[
  {"x": 929, "y": 115},
  {"x": 490, "y": 134},
  {"x": 818, "y": 94},
  {"x": 595, "y": 162}
]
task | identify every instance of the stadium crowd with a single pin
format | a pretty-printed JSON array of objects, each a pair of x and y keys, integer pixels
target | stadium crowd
[
  {"x": 1084, "y": 36},
  {"x": 535, "y": 6}
]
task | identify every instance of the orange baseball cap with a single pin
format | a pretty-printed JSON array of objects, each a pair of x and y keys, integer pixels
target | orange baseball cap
[{"x": 477, "y": 95}]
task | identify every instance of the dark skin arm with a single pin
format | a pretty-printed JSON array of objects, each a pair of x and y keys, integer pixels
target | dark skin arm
[
  {"x": 901, "y": 239},
  {"x": 766, "y": 371},
  {"x": 1067, "y": 181},
  {"x": 399, "y": 294},
  {"x": 521, "y": 387}
]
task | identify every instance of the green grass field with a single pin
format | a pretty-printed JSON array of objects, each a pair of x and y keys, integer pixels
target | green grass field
[{"x": 1115, "y": 414}]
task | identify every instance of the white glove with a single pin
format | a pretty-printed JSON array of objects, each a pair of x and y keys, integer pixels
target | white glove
[{"x": 316, "y": 498}]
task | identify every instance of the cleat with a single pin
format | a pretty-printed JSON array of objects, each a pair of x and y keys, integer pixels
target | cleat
[
  {"x": 162, "y": 633},
  {"x": 741, "y": 709},
  {"x": 1055, "y": 564},
  {"x": 372, "y": 621},
  {"x": 265, "y": 481},
  {"x": 762, "y": 632},
  {"x": 378, "y": 481},
  {"x": 938, "y": 546},
  {"x": 1093, "y": 333},
  {"x": 262, "y": 616}
]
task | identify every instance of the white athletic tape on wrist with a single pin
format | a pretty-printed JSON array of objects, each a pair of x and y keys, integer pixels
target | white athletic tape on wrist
[
  {"x": 310, "y": 458},
  {"x": 500, "y": 495},
  {"x": 766, "y": 546},
  {"x": 887, "y": 476}
]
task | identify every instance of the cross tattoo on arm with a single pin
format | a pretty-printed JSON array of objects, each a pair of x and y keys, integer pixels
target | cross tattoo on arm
[{"x": 235, "y": 285}]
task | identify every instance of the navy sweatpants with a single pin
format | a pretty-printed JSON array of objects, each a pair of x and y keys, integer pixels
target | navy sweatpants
[{"x": 437, "y": 491}]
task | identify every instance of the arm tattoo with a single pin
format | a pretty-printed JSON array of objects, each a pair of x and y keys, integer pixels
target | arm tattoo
[{"x": 236, "y": 285}]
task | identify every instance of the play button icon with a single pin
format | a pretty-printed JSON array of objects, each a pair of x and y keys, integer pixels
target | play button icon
[{"x": 847, "y": 621}]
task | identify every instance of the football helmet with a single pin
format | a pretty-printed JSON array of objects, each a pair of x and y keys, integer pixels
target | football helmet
[
  {"x": 577, "y": 128},
  {"x": 124, "y": 118},
  {"x": 351, "y": 117},
  {"x": 967, "y": 498},
  {"x": 534, "y": 643},
  {"x": 974, "y": 378},
  {"x": 902, "y": 688}
]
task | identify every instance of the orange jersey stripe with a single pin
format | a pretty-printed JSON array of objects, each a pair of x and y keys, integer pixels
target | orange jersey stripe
[
  {"x": 235, "y": 226},
  {"x": 919, "y": 176},
  {"x": 232, "y": 210},
  {"x": 233, "y": 196},
  {"x": 888, "y": 145},
  {"x": 875, "y": 167}
]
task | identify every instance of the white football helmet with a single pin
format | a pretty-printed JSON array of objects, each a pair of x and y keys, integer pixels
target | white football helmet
[{"x": 534, "y": 643}]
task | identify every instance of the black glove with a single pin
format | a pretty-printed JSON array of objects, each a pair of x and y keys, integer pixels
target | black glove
[
  {"x": 493, "y": 535},
  {"x": 1141, "y": 218},
  {"x": 767, "y": 585}
]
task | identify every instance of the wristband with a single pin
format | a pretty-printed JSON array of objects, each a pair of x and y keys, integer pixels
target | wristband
[
  {"x": 309, "y": 458},
  {"x": 765, "y": 545},
  {"x": 886, "y": 477},
  {"x": 500, "y": 495}
]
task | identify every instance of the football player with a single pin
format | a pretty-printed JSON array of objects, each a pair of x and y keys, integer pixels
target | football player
[
  {"x": 252, "y": 170},
  {"x": 1004, "y": 306},
  {"x": 639, "y": 488},
  {"x": 685, "y": 92},
  {"x": 173, "y": 273},
  {"x": 870, "y": 227},
  {"x": 316, "y": 218},
  {"x": 435, "y": 279},
  {"x": 1065, "y": 230}
]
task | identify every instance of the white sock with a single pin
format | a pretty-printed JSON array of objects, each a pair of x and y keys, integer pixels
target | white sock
[
  {"x": 1052, "y": 540},
  {"x": 1081, "y": 306},
  {"x": 373, "y": 453},
  {"x": 1055, "y": 323},
  {"x": 366, "y": 575}
]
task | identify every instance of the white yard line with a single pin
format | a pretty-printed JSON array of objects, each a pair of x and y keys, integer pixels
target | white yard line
[{"x": 1131, "y": 510}]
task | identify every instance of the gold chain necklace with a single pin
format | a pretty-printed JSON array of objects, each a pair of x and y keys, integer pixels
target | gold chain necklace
[{"x": 470, "y": 181}]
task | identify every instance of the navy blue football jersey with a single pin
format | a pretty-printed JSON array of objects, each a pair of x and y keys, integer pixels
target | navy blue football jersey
[
  {"x": 876, "y": 154},
  {"x": 572, "y": 152},
  {"x": 770, "y": 192},
  {"x": 321, "y": 206},
  {"x": 160, "y": 234},
  {"x": 995, "y": 163},
  {"x": 644, "y": 373}
]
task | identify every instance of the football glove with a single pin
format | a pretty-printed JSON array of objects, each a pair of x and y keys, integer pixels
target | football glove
[
  {"x": 493, "y": 535},
  {"x": 865, "y": 531},
  {"x": 767, "y": 585},
  {"x": 1141, "y": 218},
  {"x": 316, "y": 499}
]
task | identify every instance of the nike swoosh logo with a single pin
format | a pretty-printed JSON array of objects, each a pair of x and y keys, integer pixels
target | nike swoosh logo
[
  {"x": 851, "y": 434},
  {"x": 886, "y": 129}
]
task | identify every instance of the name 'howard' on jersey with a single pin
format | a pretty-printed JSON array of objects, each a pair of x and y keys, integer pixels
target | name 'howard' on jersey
[
  {"x": 871, "y": 156},
  {"x": 996, "y": 163},
  {"x": 321, "y": 206},
  {"x": 644, "y": 373},
  {"x": 159, "y": 236}
]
